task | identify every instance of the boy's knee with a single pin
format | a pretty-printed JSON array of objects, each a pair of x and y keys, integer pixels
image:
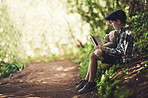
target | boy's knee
[{"x": 92, "y": 56}]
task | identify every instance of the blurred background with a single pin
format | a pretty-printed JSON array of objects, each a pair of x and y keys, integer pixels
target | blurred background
[
  {"x": 34, "y": 28},
  {"x": 47, "y": 29}
]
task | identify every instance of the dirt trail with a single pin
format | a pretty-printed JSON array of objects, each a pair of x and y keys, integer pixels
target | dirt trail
[{"x": 55, "y": 79}]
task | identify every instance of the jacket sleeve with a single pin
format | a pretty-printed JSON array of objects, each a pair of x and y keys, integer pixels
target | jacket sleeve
[{"x": 120, "y": 49}]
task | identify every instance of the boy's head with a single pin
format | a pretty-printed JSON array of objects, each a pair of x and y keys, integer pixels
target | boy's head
[
  {"x": 117, "y": 15},
  {"x": 117, "y": 18}
]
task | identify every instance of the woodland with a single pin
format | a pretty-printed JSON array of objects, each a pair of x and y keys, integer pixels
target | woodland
[{"x": 46, "y": 29}]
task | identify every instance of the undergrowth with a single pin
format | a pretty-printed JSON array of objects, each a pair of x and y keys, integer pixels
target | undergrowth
[
  {"x": 9, "y": 41},
  {"x": 110, "y": 78},
  {"x": 41, "y": 59},
  {"x": 113, "y": 81},
  {"x": 7, "y": 69}
]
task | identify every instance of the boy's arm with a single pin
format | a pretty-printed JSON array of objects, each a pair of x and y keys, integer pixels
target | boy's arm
[{"x": 124, "y": 46}]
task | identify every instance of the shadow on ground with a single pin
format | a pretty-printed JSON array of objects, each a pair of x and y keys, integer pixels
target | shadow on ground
[{"x": 55, "y": 79}]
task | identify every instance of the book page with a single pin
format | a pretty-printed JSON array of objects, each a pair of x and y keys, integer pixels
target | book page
[{"x": 98, "y": 39}]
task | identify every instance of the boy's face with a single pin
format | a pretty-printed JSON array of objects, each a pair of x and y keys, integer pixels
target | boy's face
[{"x": 116, "y": 24}]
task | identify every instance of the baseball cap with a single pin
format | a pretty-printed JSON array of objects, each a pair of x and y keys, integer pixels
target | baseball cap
[{"x": 118, "y": 14}]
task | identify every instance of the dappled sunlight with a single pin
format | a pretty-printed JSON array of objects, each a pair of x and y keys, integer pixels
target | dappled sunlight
[
  {"x": 66, "y": 69},
  {"x": 46, "y": 28},
  {"x": 42, "y": 41},
  {"x": 61, "y": 75},
  {"x": 50, "y": 72},
  {"x": 59, "y": 68},
  {"x": 5, "y": 96},
  {"x": 132, "y": 72},
  {"x": 69, "y": 68}
]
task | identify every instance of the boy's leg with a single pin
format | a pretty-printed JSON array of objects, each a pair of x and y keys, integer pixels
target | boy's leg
[
  {"x": 92, "y": 67},
  {"x": 91, "y": 84},
  {"x": 91, "y": 73}
]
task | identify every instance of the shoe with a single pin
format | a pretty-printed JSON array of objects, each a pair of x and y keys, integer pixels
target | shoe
[
  {"x": 87, "y": 87},
  {"x": 81, "y": 85}
]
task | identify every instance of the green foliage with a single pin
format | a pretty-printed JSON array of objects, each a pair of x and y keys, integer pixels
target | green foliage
[
  {"x": 139, "y": 25},
  {"x": 9, "y": 41},
  {"x": 9, "y": 68},
  {"x": 106, "y": 85},
  {"x": 123, "y": 93},
  {"x": 41, "y": 59},
  {"x": 93, "y": 12}
]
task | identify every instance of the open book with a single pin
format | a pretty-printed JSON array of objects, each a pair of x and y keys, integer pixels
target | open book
[{"x": 96, "y": 40}]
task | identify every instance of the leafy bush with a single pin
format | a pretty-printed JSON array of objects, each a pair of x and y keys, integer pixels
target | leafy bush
[
  {"x": 93, "y": 12},
  {"x": 108, "y": 84},
  {"x": 139, "y": 26},
  {"x": 9, "y": 68},
  {"x": 9, "y": 41}
]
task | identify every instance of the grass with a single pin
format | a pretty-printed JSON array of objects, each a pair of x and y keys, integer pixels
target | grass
[
  {"x": 7, "y": 69},
  {"x": 117, "y": 81},
  {"x": 41, "y": 59}
]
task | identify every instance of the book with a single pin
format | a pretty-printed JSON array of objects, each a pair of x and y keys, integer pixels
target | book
[{"x": 96, "y": 40}]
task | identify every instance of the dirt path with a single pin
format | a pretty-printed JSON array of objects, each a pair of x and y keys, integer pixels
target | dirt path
[{"x": 55, "y": 79}]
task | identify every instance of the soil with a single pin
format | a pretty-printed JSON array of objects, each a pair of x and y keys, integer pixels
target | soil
[
  {"x": 58, "y": 79},
  {"x": 54, "y": 79}
]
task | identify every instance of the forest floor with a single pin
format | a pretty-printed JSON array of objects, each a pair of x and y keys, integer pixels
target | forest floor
[
  {"x": 54, "y": 79},
  {"x": 58, "y": 79}
]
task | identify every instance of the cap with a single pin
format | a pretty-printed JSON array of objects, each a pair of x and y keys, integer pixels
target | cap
[{"x": 118, "y": 14}]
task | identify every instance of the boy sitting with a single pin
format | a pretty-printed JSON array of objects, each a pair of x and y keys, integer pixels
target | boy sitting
[{"x": 122, "y": 53}]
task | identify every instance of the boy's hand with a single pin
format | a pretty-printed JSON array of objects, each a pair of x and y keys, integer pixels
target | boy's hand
[
  {"x": 97, "y": 47},
  {"x": 102, "y": 47}
]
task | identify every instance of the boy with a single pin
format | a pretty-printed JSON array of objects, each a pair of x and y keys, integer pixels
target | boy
[{"x": 123, "y": 52}]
